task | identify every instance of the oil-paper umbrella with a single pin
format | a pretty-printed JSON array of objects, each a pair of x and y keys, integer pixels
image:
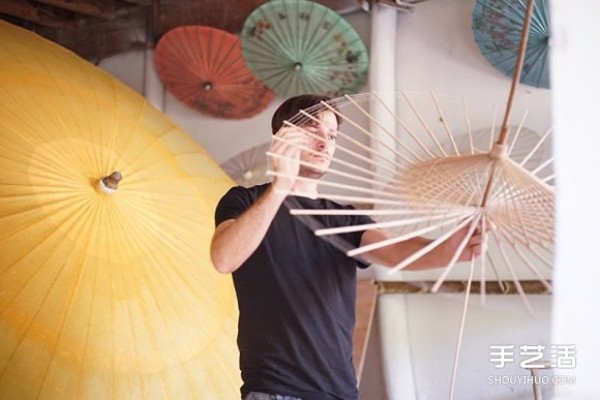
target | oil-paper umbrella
[
  {"x": 249, "y": 167},
  {"x": 497, "y": 26},
  {"x": 106, "y": 287},
  {"x": 417, "y": 184},
  {"x": 299, "y": 46},
  {"x": 204, "y": 68}
]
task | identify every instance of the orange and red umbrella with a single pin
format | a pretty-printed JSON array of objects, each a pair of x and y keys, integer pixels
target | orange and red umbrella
[{"x": 204, "y": 68}]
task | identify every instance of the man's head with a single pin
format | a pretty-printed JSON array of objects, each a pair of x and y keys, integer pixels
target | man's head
[
  {"x": 322, "y": 130},
  {"x": 311, "y": 103}
]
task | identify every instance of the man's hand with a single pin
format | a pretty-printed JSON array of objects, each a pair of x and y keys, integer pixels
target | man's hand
[
  {"x": 285, "y": 159},
  {"x": 474, "y": 246}
]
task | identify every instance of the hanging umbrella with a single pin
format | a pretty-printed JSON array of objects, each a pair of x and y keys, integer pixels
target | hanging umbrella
[
  {"x": 298, "y": 46},
  {"x": 106, "y": 288},
  {"x": 203, "y": 67},
  {"x": 249, "y": 167},
  {"x": 437, "y": 192},
  {"x": 497, "y": 26}
]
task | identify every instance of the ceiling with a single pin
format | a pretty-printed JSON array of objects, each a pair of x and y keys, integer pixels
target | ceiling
[{"x": 96, "y": 29}]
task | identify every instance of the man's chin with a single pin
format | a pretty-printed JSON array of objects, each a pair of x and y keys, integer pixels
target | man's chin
[{"x": 314, "y": 172}]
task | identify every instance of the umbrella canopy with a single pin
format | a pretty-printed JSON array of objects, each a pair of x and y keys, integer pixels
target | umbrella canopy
[
  {"x": 249, "y": 167},
  {"x": 497, "y": 26},
  {"x": 106, "y": 292},
  {"x": 298, "y": 46},
  {"x": 203, "y": 67}
]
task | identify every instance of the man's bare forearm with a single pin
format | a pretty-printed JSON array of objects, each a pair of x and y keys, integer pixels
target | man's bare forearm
[{"x": 236, "y": 239}]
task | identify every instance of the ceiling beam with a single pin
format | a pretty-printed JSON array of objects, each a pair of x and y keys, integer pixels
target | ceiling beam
[
  {"x": 27, "y": 12},
  {"x": 139, "y": 2},
  {"x": 92, "y": 8}
]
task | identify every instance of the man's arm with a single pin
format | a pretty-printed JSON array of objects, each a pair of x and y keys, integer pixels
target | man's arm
[
  {"x": 235, "y": 240},
  {"x": 392, "y": 255}
]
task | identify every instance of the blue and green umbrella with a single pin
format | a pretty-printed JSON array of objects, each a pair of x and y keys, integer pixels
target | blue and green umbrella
[
  {"x": 497, "y": 26},
  {"x": 297, "y": 47}
]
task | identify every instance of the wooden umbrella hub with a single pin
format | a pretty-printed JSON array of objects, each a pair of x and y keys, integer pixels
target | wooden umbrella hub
[{"x": 110, "y": 183}]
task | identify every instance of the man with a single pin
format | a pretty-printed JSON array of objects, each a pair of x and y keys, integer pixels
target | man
[{"x": 296, "y": 292}]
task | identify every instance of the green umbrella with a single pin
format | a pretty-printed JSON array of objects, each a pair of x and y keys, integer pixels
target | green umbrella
[{"x": 298, "y": 46}]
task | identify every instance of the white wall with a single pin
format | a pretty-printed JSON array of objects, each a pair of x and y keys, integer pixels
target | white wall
[{"x": 575, "y": 66}]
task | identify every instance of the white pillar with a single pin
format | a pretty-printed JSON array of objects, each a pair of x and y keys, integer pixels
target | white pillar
[
  {"x": 382, "y": 80},
  {"x": 397, "y": 363},
  {"x": 575, "y": 81},
  {"x": 154, "y": 90}
]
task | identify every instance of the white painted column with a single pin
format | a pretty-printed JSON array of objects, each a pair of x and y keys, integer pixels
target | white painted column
[
  {"x": 382, "y": 72},
  {"x": 154, "y": 90},
  {"x": 575, "y": 83},
  {"x": 397, "y": 363}
]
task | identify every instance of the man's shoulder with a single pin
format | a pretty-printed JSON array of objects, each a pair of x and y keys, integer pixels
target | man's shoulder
[{"x": 251, "y": 192}]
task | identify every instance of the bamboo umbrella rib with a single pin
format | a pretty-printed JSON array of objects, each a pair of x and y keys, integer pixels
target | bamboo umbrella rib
[
  {"x": 462, "y": 327},
  {"x": 412, "y": 135},
  {"x": 515, "y": 279},
  {"x": 354, "y": 199},
  {"x": 457, "y": 253},
  {"x": 352, "y": 189},
  {"x": 517, "y": 133},
  {"x": 532, "y": 249},
  {"x": 511, "y": 203},
  {"x": 384, "y": 130},
  {"x": 492, "y": 125},
  {"x": 424, "y": 124},
  {"x": 548, "y": 178},
  {"x": 386, "y": 224},
  {"x": 542, "y": 166},
  {"x": 540, "y": 257},
  {"x": 468, "y": 125},
  {"x": 536, "y": 147},
  {"x": 482, "y": 258},
  {"x": 306, "y": 39},
  {"x": 368, "y": 160},
  {"x": 533, "y": 268},
  {"x": 433, "y": 211},
  {"x": 428, "y": 248},
  {"x": 445, "y": 122},
  {"x": 398, "y": 239},
  {"x": 493, "y": 265},
  {"x": 278, "y": 38},
  {"x": 334, "y": 171},
  {"x": 330, "y": 57},
  {"x": 45, "y": 295},
  {"x": 526, "y": 261},
  {"x": 352, "y": 140}
]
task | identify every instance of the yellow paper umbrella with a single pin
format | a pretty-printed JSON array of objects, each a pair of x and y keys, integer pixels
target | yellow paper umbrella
[{"x": 104, "y": 294}]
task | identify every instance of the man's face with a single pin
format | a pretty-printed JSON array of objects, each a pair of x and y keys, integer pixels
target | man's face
[{"x": 321, "y": 145}]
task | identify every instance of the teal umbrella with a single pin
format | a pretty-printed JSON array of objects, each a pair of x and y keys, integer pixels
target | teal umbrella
[
  {"x": 298, "y": 46},
  {"x": 497, "y": 26}
]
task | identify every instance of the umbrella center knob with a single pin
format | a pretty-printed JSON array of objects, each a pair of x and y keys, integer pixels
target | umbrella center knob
[
  {"x": 297, "y": 66},
  {"x": 110, "y": 183},
  {"x": 207, "y": 86}
]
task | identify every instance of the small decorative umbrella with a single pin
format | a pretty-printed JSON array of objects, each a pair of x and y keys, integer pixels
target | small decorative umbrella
[
  {"x": 298, "y": 46},
  {"x": 497, "y": 26},
  {"x": 249, "y": 167},
  {"x": 204, "y": 68},
  {"x": 106, "y": 287}
]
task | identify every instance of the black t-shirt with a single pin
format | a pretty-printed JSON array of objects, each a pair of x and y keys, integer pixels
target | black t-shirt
[{"x": 296, "y": 295}]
